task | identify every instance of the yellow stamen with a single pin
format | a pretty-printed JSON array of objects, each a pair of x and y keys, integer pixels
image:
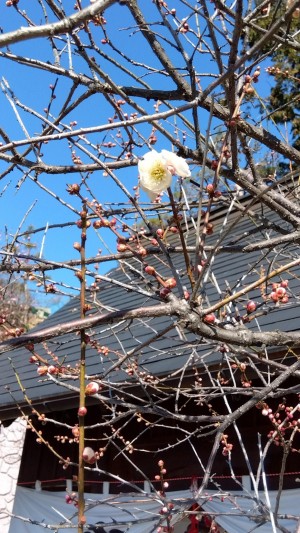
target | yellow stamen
[{"x": 157, "y": 171}]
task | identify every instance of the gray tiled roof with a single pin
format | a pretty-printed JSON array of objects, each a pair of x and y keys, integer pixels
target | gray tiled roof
[{"x": 162, "y": 356}]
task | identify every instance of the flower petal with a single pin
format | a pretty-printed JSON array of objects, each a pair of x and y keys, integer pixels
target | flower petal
[
  {"x": 152, "y": 195},
  {"x": 155, "y": 177},
  {"x": 178, "y": 164}
]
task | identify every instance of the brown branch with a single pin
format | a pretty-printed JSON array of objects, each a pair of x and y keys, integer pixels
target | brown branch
[
  {"x": 258, "y": 283},
  {"x": 67, "y": 25},
  {"x": 235, "y": 415},
  {"x": 92, "y": 321},
  {"x": 258, "y": 133},
  {"x": 176, "y": 308}
]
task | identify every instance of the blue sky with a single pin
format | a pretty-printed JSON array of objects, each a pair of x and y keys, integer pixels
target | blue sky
[{"x": 32, "y": 87}]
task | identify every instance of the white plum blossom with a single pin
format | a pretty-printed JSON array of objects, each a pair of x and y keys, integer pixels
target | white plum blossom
[
  {"x": 177, "y": 165},
  {"x": 154, "y": 174},
  {"x": 156, "y": 171}
]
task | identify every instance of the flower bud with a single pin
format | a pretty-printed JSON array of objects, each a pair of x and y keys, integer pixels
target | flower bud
[
  {"x": 170, "y": 283},
  {"x": 75, "y": 431},
  {"x": 251, "y": 306},
  {"x": 42, "y": 370},
  {"x": 92, "y": 388},
  {"x": 163, "y": 293},
  {"x": 150, "y": 270},
  {"x": 88, "y": 455},
  {"x": 210, "y": 318},
  {"x": 121, "y": 247}
]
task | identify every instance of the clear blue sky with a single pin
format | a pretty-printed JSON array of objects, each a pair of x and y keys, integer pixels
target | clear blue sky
[{"x": 32, "y": 88}]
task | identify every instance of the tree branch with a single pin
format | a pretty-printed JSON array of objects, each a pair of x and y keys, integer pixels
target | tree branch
[{"x": 67, "y": 25}]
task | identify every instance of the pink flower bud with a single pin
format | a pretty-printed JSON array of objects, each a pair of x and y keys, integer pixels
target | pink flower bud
[
  {"x": 274, "y": 296},
  {"x": 52, "y": 369},
  {"x": 92, "y": 388},
  {"x": 142, "y": 251},
  {"x": 42, "y": 370},
  {"x": 251, "y": 306},
  {"x": 88, "y": 455},
  {"x": 281, "y": 291},
  {"x": 150, "y": 270},
  {"x": 75, "y": 431},
  {"x": 284, "y": 283},
  {"x": 170, "y": 283},
  {"x": 210, "y": 189}
]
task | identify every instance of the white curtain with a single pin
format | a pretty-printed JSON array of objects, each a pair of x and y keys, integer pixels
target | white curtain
[
  {"x": 11, "y": 447},
  {"x": 289, "y": 505},
  {"x": 51, "y": 508}
]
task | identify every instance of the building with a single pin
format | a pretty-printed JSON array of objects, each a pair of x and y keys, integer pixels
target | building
[{"x": 176, "y": 357}]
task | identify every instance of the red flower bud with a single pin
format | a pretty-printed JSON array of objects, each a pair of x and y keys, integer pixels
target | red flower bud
[
  {"x": 251, "y": 306},
  {"x": 210, "y": 318},
  {"x": 163, "y": 293}
]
